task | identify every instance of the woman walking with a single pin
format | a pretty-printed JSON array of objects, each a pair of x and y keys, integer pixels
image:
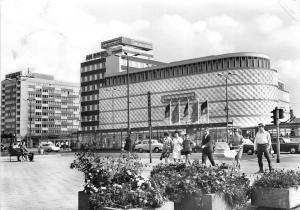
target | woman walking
[
  {"x": 187, "y": 148},
  {"x": 177, "y": 147},
  {"x": 167, "y": 147},
  {"x": 237, "y": 143}
]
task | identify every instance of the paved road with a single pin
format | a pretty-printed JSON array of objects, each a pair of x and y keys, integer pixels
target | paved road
[{"x": 49, "y": 183}]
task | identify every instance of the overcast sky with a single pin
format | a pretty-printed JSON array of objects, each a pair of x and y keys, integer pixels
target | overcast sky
[{"x": 53, "y": 36}]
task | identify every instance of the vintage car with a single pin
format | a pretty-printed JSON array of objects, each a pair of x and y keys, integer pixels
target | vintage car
[
  {"x": 144, "y": 146},
  {"x": 286, "y": 145}
]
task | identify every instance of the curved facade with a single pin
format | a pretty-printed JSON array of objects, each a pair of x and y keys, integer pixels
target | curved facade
[{"x": 252, "y": 92}]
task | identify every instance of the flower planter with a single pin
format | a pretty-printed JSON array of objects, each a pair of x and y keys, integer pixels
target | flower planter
[
  {"x": 284, "y": 198},
  {"x": 83, "y": 204},
  {"x": 208, "y": 202}
]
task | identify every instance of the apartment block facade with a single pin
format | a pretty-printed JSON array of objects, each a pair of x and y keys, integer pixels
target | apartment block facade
[{"x": 39, "y": 106}]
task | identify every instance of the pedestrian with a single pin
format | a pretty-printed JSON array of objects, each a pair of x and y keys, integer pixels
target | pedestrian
[
  {"x": 187, "y": 148},
  {"x": 127, "y": 146},
  {"x": 177, "y": 147},
  {"x": 237, "y": 143},
  {"x": 262, "y": 144},
  {"x": 24, "y": 151},
  {"x": 167, "y": 147},
  {"x": 207, "y": 148}
]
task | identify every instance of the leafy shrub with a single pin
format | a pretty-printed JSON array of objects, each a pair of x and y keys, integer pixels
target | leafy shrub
[
  {"x": 278, "y": 179},
  {"x": 178, "y": 182},
  {"x": 117, "y": 182}
]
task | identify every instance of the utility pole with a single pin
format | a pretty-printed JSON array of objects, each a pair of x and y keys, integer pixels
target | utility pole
[
  {"x": 226, "y": 76},
  {"x": 128, "y": 97},
  {"x": 150, "y": 124},
  {"x": 275, "y": 121},
  {"x": 277, "y": 128}
]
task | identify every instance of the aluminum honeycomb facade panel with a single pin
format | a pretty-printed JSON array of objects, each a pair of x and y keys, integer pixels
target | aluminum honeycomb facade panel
[{"x": 252, "y": 94}]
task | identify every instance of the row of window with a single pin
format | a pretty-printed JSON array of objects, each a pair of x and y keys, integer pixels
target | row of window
[
  {"x": 135, "y": 64},
  {"x": 49, "y": 131},
  {"x": 90, "y": 97},
  {"x": 91, "y": 77},
  {"x": 55, "y": 120},
  {"x": 187, "y": 69},
  {"x": 91, "y": 87},
  {"x": 89, "y": 128},
  {"x": 52, "y": 126},
  {"x": 92, "y": 67},
  {"x": 55, "y": 108},
  {"x": 57, "y": 87},
  {"x": 31, "y": 95},
  {"x": 90, "y": 118},
  {"x": 57, "y": 103},
  {"x": 92, "y": 107},
  {"x": 53, "y": 114}
]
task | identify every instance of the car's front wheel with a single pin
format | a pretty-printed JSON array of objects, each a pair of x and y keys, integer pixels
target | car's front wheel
[
  {"x": 293, "y": 150},
  {"x": 250, "y": 152},
  {"x": 140, "y": 150},
  {"x": 156, "y": 149}
]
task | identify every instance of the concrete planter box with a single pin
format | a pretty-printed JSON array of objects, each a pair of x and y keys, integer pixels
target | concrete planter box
[
  {"x": 83, "y": 204},
  {"x": 283, "y": 198},
  {"x": 208, "y": 202}
]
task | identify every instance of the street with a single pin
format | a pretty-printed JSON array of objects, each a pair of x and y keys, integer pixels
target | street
[{"x": 49, "y": 183}]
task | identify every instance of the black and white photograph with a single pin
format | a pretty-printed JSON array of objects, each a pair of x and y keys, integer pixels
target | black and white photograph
[{"x": 149, "y": 104}]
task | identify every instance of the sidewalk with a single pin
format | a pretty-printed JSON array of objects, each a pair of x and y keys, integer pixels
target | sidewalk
[{"x": 49, "y": 183}]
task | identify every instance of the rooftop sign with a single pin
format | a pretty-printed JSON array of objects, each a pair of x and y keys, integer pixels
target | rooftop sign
[{"x": 127, "y": 41}]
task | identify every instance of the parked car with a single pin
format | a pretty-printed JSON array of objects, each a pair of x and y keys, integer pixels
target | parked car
[
  {"x": 144, "y": 146},
  {"x": 49, "y": 147},
  {"x": 248, "y": 146},
  {"x": 286, "y": 145}
]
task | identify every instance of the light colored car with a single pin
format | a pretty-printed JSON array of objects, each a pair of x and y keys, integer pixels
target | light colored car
[
  {"x": 49, "y": 146},
  {"x": 144, "y": 146}
]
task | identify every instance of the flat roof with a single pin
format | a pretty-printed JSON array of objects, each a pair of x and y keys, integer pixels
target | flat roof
[
  {"x": 195, "y": 60},
  {"x": 127, "y": 41},
  {"x": 227, "y": 55}
]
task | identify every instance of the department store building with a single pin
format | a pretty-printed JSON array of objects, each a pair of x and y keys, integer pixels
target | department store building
[{"x": 253, "y": 88}]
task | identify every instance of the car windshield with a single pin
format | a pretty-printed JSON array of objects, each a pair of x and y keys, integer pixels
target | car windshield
[{"x": 247, "y": 141}]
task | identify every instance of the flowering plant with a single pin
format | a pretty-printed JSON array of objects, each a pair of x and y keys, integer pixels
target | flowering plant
[
  {"x": 278, "y": 179},
  {"x": 117, "y": 182},
  {"x": 178, "y": 182}
]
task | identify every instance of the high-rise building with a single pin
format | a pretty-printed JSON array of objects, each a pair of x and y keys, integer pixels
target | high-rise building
[
  {"x": 112, "y": 60},
  {"x": 38, "y": 106}
]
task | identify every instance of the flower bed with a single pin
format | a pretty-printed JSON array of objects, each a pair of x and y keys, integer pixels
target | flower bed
[
  {"x": 117, "y": 182},
  {"x": 179, "y": 183},
  {"x": 279, "y": 189}
]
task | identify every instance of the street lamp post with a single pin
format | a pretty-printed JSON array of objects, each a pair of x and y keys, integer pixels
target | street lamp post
[
  {"x": 128, "y": 96},
  {"x": 128, "y": 90},
  {"x": 226, "y": 76}
]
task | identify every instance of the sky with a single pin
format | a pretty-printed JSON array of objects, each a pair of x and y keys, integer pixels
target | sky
[{"x": 54, "y": 36}]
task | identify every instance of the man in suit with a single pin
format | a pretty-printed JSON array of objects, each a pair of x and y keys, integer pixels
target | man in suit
[
  {"x": 207, "y": 148},
  {"x": 128, "y": 146}
]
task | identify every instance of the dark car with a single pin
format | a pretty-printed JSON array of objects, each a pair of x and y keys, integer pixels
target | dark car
[
  {"x": 286, "y": 145},
  {"x": 248, "y": 147}
]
